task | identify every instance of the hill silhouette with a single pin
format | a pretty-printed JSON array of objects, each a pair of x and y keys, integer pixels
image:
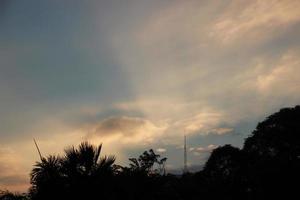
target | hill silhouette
[{"x": 267, "y": 167}]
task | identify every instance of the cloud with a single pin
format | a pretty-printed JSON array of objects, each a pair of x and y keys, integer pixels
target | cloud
[
  {"x": 12, "y": 181},
  {"x": 12, "y": 176},
  {"x": 282, "y": 77},
  {"x": 161, "y": 150},
  {"x": 271, "y": 82},
  {"x": 203, "y": 68},
  {"x": 205, "y": 122},
  {"x": 126, "y": 126},
  {"x": 181, "y": 118},
  {"x": 126, "y": 129},
  {"x": 194, "y": 83},
  {"x": 255, "y": 20},
  {"x": 221, "y": 131},
  {"x": 197, "y": 151}
]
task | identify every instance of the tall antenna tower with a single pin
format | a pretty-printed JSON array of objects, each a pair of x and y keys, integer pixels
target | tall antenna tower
[{"x": 185, "y": 170}]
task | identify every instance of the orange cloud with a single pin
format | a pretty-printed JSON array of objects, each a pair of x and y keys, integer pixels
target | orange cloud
[{"x": 13, "y": 176}]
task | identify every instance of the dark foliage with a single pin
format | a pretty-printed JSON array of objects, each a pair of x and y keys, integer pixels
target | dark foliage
[
  {"x": 277, "y": 136},
  {"x": 267, "y": 167},
  {"x": 77, "y": 175},
  {"x": 6, "y": 195},
  {"x": 273, "y": 152}
]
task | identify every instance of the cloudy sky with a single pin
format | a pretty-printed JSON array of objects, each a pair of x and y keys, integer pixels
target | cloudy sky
[{"x": 140, "y": 74}]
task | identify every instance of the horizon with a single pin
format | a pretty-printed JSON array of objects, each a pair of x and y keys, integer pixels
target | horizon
[{"x": 139, "y": 75}]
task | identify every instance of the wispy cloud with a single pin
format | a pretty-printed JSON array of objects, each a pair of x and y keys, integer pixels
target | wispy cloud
[
  {"x": 281, "y": 77},
  {"x": 255, "y": 20},
  {"x": 198, "y": 151}
]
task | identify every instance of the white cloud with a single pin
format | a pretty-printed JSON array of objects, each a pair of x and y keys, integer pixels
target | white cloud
[
  {"x": 191, "y": 149},
  {"x": 222, "y": 130},
  {"x": 197, "y": 151},
  {"x": 161, "y": 150}
]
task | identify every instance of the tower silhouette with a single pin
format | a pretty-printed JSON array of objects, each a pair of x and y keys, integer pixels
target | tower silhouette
[{"x": 185, "y": 170}]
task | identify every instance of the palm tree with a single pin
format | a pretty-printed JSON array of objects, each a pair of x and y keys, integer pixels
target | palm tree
[
  {"x": 46, "y": 178},
  {"x": 77, "y": 174},
  {"x": 46, "y": 170},
  {"x": 86, "y": 161}
]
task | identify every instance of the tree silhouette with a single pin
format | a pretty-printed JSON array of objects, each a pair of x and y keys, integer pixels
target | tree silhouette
[
  {"x": 85, "y": 170},
  {"x": 278, "y": 135},
  {"x": 273, "y": 154},
  {"x": 85, "y": 161},
  {"x": 144, "y": 174},
  {"x": 46, "y": 177},
  {"x": 46, "y": 170},
  {"x": 224, "y": 162},
  {"x": 224, "y": 172},
  {"x": 267, "y": 167},
  {"x": 145, "y": 163},
  {"x": 75, "y": 175}
]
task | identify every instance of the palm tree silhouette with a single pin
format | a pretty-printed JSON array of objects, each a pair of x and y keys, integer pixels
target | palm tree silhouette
[
  {"x": 74, "y": 175},
  {"x": 46, "y": 177},
  {"x": 48, "y": 168},
  {"x": 86, "y": 161}
]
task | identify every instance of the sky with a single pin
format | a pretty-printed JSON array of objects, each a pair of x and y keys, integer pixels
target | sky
[{"x": 141, "y": 74}]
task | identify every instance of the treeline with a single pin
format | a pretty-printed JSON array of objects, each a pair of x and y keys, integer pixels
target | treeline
[{"x": 267, "y": 167}]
